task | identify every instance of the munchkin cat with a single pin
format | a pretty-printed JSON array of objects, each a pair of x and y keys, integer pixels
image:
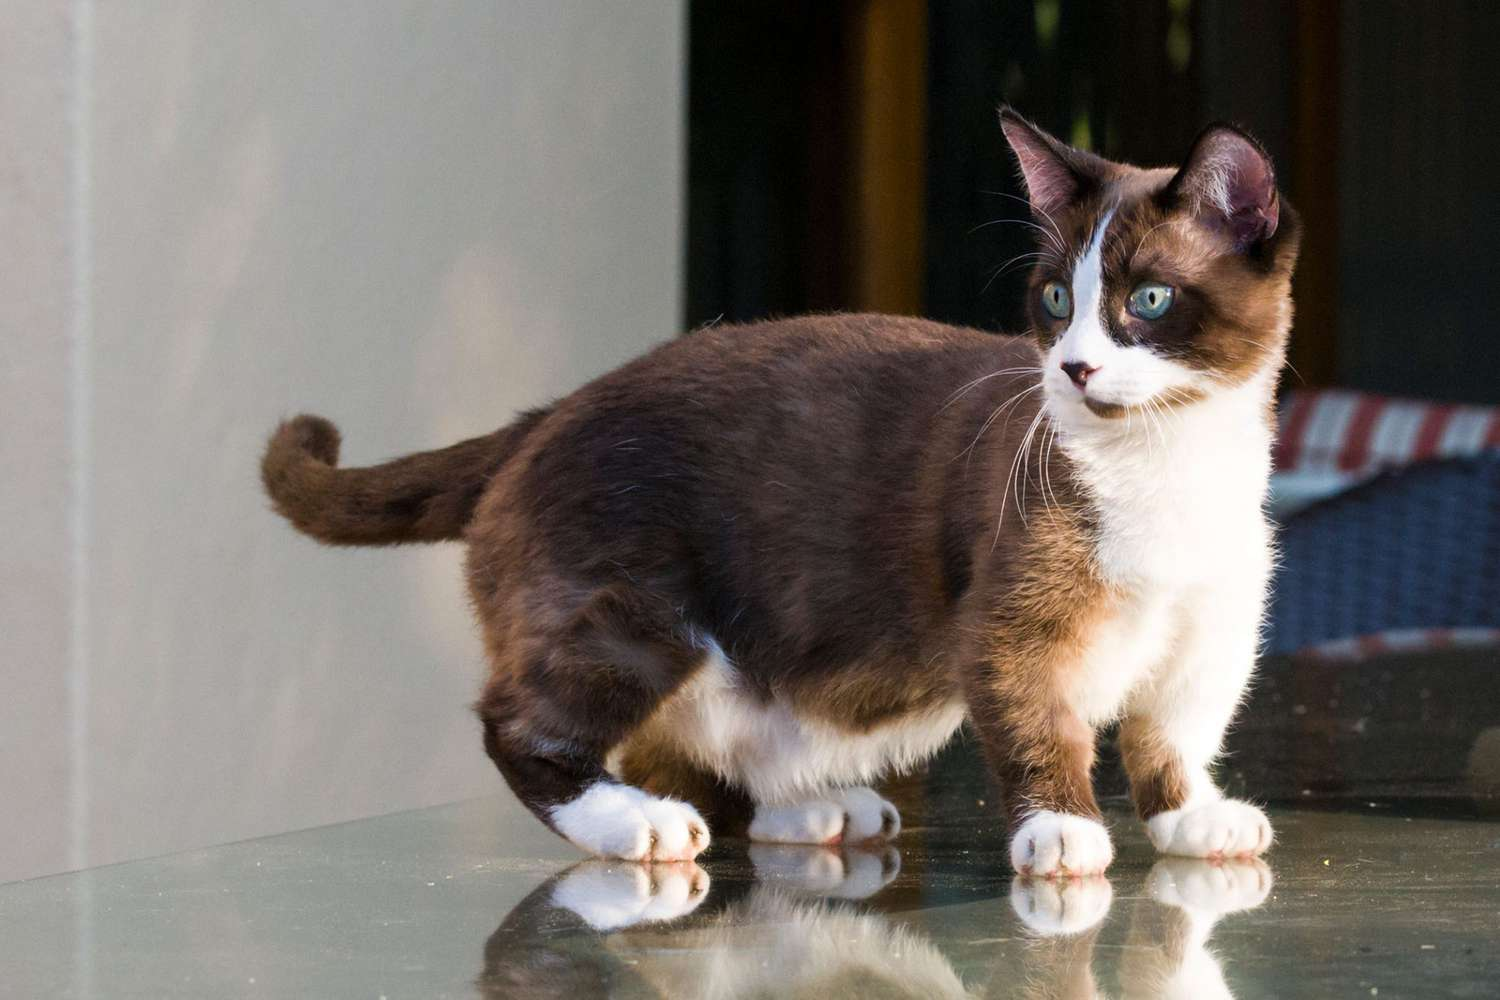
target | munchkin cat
[{"x": 729, "y": 585}]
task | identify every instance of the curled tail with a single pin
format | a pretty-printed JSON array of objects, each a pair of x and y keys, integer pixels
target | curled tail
[{"x": 426, "y": 497}]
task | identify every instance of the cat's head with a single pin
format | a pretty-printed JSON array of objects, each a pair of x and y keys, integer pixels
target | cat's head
[{"x": 1154, "y": 287}]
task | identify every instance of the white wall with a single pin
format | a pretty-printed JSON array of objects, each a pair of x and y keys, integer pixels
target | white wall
[{"x": 414, "y": 218}]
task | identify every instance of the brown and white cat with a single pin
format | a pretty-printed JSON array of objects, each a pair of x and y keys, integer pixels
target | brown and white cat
[{"x": 738, "y": 579}]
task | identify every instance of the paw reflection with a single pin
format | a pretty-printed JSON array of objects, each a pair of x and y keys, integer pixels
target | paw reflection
[
  {"x": 1049, "y": 907},
  {"x": 1208, "y": 888},
  {"x": 607, "y": 896},
  {"x": 602, "y": 929},
  {"x": 855, "y": 873}
]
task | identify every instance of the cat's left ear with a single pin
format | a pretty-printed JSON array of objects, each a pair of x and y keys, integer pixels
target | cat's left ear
[{"x": 1228, "y": 181}]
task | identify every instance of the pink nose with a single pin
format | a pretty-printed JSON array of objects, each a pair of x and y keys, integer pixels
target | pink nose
[{"x": 1078, "y": 372}]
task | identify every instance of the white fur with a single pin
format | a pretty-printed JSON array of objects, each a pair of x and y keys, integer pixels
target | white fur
[
  {"x": 781, "y": 757},
  {"x": 1049, "y": 844},
  {"x": 617, "y": 821},
  {"x": 1219, "y": 829},
  {"x": 848, "y": 815}
]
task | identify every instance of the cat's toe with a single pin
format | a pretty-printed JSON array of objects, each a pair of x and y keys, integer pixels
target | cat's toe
[
  {"x": 1213, "y": 887},
  {"x": 1226, "y": 828},
  {"x": 609, "y": 896},
  {"x": 617, "y": 821},
  {"x": 1051, "y": 844},
  {"x": 815, "y": 822},
  {"x": 868, "y": 817},
  {"x": 678, "y": 833},
  {"x": 1052, "y": 907}
]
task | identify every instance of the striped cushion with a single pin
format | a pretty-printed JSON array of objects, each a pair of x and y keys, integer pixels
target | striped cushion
[
  {"x": 1357, "y": 434},
  {"x": 1330, "y": 439}
]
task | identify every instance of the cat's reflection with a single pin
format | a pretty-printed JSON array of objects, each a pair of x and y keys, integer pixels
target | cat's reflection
[
  {"x": 607, "y": 929},
  {"x": 1165, "y": 952},
  {"x": 798, "y": 929}
]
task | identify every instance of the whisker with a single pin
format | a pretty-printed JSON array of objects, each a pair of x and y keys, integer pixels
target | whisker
[
  {"x": 1035, "y": 208},
  {"x": 1008, "y": 265},
  {"x": 992, "y": 418},
  {"x": 1011, "y": 478},
  {"x": 984, "y": 378},
  {"x": 1053, "y": 239}
]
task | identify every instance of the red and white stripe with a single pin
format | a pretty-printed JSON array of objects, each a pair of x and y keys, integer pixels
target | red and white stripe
[{"x": 1355, "y": 435}]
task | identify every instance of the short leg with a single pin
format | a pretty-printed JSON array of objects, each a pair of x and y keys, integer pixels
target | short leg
[
  {"x": 1172, "y": 732},
  {"x": 552, "y": 714},
  {"x": 842, "y": 816},
  {"x": 1042, "y": 754}
]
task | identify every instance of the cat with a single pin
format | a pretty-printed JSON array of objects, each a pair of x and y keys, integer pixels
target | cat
[{"x": 732, "y": 583}]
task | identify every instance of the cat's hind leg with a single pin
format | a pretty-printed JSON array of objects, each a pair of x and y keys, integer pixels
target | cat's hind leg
[
  {"x": 856, "y": 815},
  {"x": 569, "y": 688}
]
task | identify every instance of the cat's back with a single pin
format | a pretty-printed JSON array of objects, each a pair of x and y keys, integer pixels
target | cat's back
[
  {"x": 816, "y": 398},
  {"x": 889, "y": 368}
]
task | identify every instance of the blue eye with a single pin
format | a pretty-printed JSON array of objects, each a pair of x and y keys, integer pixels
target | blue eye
[
  {"x": 1151, "y": 300},
  {"x": 1057, "y": 300}
]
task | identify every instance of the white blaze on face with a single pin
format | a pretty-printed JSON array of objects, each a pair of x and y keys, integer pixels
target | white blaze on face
[
  {"x": 1127, "y": 376},
  {"x": 1085, "y": 340}
]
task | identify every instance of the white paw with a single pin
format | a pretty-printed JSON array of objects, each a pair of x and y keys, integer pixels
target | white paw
[
  {"x": 1052, "y": 907},
  {"x": 609, "y": 896},
  {"x": 617, "y": 821},
  {"x": 1212, "y": 888},
  {"x": 1049, "y": 843},
  {"x": 855, "y": 874},
  {"x": 847, "y": 816},
  {"x": 1223, "y": 829},
  {"x": 867, "y": 816}
]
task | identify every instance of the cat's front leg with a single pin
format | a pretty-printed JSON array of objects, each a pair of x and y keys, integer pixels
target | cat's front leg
[
  {"x": 1041, "y": 752},
  {"x": 1173, "y": 730}
]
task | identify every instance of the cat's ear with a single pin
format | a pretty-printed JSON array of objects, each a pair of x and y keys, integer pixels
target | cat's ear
[
  {"x": 1227, "y": 180},
  {"x": 1055, "y": 173}
]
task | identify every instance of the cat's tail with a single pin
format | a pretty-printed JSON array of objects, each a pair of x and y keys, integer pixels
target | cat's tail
[{"x": 426, "y": 497}]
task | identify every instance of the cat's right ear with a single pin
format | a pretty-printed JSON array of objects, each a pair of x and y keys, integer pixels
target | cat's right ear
[{"x": 1055, "y": 173}]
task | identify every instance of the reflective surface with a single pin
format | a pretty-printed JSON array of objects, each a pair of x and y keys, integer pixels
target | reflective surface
[
  {"x": 1388, "y": 895},
  {"x": 474, "y": 899}
]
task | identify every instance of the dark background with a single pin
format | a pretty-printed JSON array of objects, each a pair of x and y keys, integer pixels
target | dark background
[{"x": 845, "y": 155}]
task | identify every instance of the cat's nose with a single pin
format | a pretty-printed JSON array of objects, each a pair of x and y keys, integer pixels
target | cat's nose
[{"x": 1079, "y": 372}]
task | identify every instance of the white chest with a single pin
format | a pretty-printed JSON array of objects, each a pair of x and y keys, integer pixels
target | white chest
[
  {"x": 1182, "y": 505},
  {"x": 1122, "y": 652}
]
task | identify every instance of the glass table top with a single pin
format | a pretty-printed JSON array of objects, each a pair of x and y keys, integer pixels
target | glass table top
[
  {"x": 1385, "y": 882},
  {"x": 476, "y": 899}
]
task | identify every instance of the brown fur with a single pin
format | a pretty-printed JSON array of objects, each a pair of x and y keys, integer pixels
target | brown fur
[
  {"x": 1157, "y": 781},
  {"x": 851, "y": 506}
]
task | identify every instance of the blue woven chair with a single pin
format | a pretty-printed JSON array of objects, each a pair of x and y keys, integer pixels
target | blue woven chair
[{"x": 1418, "y": 548}]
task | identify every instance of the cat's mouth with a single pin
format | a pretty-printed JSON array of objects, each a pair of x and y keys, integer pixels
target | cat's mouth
[{"x": 1101, "y": 408}]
